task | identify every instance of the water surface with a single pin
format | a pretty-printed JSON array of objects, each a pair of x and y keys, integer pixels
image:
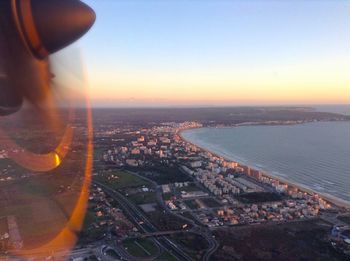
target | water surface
[{"x": 316, "y": 155}]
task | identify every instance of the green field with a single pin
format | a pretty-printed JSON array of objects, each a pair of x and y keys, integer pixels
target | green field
[
  {"x": 166, "y": 256},
  {"x": 193, "y": 244},
  {"x": 141, "y": 248},
  {"x": 210, "y": 202},
  {"x": 111, "y": 253},
  {"x": 143, "y": 198},
  {"x": 39, "y": 210},
  {"x": 165, "y": 174},
  {"x": 258, "y": 197},
  {"x": 121, "y": 179},
  {"x": 192, "y": 204},
  {"x": 88, "y": 233}
]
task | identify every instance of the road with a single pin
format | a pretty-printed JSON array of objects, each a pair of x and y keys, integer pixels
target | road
[
  {"x": 213, "y": 246},
  {"x": 200, "y": 230},
  {"x": 333, "y": 219},
  {"x": 143, "y": 223}
]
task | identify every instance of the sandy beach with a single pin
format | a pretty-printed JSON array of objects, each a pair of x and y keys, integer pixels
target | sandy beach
[{"x": 331, "y": 199}]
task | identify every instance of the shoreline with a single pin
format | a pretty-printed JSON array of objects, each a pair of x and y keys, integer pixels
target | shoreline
[{"x": 333, "y": 200}]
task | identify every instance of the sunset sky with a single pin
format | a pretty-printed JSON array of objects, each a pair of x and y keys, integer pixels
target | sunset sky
[{"x": 201, "y": 52}]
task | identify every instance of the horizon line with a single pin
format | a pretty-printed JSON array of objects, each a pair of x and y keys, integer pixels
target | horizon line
[{"x": 308, "y": 106}]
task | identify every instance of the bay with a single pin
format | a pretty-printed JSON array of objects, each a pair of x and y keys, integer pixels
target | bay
[{"x": 315, "y": 155}]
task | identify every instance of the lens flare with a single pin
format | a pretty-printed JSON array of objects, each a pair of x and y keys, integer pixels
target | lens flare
[
  {"x": 68, "y": 236},
  {"x": 34, "y": 161}
]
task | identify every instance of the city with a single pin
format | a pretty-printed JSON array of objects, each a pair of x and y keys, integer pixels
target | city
[
  {"x": 174, "y": 130},
  {"x": 155, "y": 195}
]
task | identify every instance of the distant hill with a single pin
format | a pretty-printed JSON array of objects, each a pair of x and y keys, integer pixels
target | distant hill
[{"x": 212, "y": 116}]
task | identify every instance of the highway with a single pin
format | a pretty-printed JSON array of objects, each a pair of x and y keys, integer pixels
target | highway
[
  {"x": 213, "y": 246},
  {"x": 143, "y": 223},
  {"x": 204, "y": 232}
]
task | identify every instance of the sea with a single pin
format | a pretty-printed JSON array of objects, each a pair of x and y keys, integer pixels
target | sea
[{"x": 315, "y": 155}]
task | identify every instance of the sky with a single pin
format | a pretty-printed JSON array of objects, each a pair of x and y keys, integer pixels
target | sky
[{"x": 201, "y": 52}]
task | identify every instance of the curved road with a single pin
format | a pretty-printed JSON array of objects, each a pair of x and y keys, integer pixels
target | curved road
[
  {"x": 143, "y": 223},
  {"x": 213, "y": 244}
]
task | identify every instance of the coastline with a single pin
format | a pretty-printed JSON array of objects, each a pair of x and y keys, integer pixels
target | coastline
[{"x": 333, "y": 200}]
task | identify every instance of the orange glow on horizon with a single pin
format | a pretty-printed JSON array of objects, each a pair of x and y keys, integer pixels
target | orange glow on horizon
[{"x": 313, "y": 83}]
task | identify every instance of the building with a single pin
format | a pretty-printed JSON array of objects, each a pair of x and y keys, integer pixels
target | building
[{"x": 196, "y": 164}]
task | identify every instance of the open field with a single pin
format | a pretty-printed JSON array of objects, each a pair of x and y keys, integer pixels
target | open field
[
  {"x": 166, "y": 256},
  {"x": 40, "y": 211},
  {"x": 189, "y": 215},
  {"x": 42, "y": 203},
  {"x": 120, "y": 179},
  {"x": 304, "y": 240},
  {"x": 192, "y": 204},
  {"x": 143, "y": 198},
  {"x": 89, "y": 234},
  {"x": 210, "y": 202},
  {"x": 141, "y": 248},
  {"x": 164, "y": 174},
  {"x": 111, "y": 253},
  {"x": 193, "y": 244},
  {"x": 165, "y": 221},
  {"x": 258, "y": 197}
]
